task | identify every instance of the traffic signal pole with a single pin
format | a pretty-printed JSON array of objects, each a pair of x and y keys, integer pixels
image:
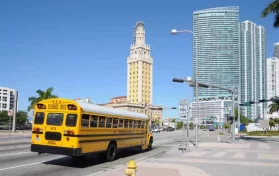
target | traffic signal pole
[{"x": 233, "y": 132}]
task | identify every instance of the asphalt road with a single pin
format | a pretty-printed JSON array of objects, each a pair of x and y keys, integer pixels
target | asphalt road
[{"x": 16, "y": 159}]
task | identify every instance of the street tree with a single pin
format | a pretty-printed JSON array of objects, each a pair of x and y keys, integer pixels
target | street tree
[
  {"x": 21, "y": 118},
  {"x": 4, "y": 119},
  {"x": 272, "y": 8},
  {"x": 191, "y": 125},
  {"x": 244, "y": 120},
  {"x": 179, "y": 125},
  {"x": 42, "y": 95},
  {"x": 272, "y": 122},
  {"x": 274, "y": 106}
]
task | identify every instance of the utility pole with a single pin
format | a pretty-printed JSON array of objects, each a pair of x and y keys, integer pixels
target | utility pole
[
  {"x": 15, "y": 111},
  {"x": 239, "y": 110},
  {"x": 233, "y": 133}
]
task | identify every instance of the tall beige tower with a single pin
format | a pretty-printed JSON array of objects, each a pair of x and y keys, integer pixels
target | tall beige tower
[{"x": 140, "y": 69}]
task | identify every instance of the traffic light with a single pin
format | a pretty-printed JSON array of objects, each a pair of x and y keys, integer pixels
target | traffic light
[{"x": 230, "y": 119}]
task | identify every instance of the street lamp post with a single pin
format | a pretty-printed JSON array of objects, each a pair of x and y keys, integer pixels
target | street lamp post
[{"x": 174, "y": 32}]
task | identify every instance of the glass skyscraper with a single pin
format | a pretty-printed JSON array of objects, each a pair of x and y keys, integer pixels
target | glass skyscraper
[{"x": 217, "y": 32}]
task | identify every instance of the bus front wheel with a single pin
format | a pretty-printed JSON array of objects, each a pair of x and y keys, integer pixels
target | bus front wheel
[{"x": 111, "y": 152}]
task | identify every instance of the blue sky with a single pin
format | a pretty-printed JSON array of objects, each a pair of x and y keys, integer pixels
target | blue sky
[{"x": 80, "y": 47}]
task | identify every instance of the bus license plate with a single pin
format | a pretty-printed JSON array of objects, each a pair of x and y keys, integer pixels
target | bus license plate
[{"x": 51, "y": 142}]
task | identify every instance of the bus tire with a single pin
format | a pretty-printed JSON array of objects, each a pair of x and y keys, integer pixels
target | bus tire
[
  {"x": 111, "y": 152},
  {"x": 149, "y": 147}
]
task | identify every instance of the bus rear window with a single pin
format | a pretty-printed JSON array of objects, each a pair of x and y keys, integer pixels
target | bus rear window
[
  {"x": 55, "y": 119},
  {"x": 39, "y": 118},
  {"x": 71, "y": 120}
]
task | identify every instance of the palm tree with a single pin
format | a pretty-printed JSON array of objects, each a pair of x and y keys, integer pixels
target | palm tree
[
  {"x": 274, "y": 107},
  {"x": 273, "y": 7},
  {"x": 41, "y": 96}
]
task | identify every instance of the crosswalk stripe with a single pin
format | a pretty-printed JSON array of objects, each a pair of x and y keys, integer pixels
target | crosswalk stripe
[
  {"x": 239, "y": 155},
  {"x": 219, "y": 154},
  {"x": 263, "y": 146},
  {"x": 196, "y": 153}
]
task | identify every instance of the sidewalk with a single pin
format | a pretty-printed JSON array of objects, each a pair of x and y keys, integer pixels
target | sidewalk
[
  {"x": 160, "y": 169},
  {"x": 151, "y": 168}
]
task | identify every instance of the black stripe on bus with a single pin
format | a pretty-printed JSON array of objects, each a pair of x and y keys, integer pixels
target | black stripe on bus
[
  {"x": 34, "y": 132},
  {"x": 97, "y": 135},
  {"x": 111, "y": 139}
]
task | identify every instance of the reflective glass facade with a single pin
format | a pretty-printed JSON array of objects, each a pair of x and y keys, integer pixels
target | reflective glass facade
[{"x": 217, "y": 32}]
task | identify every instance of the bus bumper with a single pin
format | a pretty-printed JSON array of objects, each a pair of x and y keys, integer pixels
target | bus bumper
[{"x": 56, "y": 150}]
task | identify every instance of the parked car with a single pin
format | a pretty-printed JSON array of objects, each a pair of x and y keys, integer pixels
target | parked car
[
  {"x": 211, "y": 128},
  {"x": 156, "y": 130},
  {"x": 170, "y": 129}
]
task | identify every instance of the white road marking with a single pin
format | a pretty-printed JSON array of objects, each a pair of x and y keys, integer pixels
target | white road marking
[
  {"x": 219, "y": 154},
  {"x": 196, "y": 153},
  {"x": 24, "y": 165},
  {"x": 18, "y": 146},
  {"x": 20, "y": 153},
  {"x": 241, "y": 140},
  {"x": 239, "y": 155}
]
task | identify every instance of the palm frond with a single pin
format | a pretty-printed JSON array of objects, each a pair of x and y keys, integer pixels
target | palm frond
[
  {"x": 32, "y": 99},
  {"x": 271, "y": 8},
  {"x": 40, "y": 93},
  {"x": 276, "y": 20}
]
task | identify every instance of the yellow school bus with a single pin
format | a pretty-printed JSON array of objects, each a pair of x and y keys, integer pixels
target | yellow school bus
[{"x": 76, "y": 129}]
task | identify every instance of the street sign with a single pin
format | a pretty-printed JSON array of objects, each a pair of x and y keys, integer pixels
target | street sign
[
  {"x": 10, "y": 112},
  {"x": 183, "y": 109}
]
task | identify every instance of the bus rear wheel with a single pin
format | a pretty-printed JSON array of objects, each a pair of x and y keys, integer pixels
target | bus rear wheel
[{"x": 111, "y": 152}]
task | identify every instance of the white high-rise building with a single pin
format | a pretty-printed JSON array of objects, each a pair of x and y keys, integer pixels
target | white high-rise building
[
  {"x": 272, "y": 70},
  {"x": 276, "y": 50},
  {"x": 8, "y": 99},
  {"x": 253, "y": 68}
]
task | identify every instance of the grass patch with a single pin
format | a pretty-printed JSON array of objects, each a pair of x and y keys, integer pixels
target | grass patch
[
  {"x": 260, "y": 133},
  {"x": 221, "y": 133}
]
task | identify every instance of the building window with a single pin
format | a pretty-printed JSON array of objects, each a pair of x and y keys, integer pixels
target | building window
[
  {"x": 5, "y": 99},
  {"x": 4, "y": 105}
]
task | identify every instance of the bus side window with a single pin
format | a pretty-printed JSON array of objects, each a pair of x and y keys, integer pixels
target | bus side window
[
  {"x": 115, "y": 123},
  {"x": 135, "y": 124},
  {"x": 131, "y": 124},
  {"x": 85, "y": 120},
  {"x": 109, "y": 122},
  {"x": 121, "y": 122},
  {"x": 71, "y": 120},
  {"x": 126, "y": 123},
  {"x": 142, "y": 124},
  {"x": 39, "y": 118},
  {"x": 94, "y": 121},
  {"x": 102, "y": 121},
  {"x": 139, "y": 124}
]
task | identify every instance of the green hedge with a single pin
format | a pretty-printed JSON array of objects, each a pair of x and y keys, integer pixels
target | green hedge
[{"x": 260, "y": 133}]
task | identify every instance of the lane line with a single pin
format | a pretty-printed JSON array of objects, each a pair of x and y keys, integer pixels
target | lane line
[
  {"x": 20, "y": 153},
  {"x": 219, "y": 154},
  {"x": 239, "y": 155},
  {"x": 24, "y": 165},
  {"x": 18, "y": 146}
]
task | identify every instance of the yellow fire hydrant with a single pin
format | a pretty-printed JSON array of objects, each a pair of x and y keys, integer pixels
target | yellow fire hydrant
[{"x": 131, "y": 168}]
